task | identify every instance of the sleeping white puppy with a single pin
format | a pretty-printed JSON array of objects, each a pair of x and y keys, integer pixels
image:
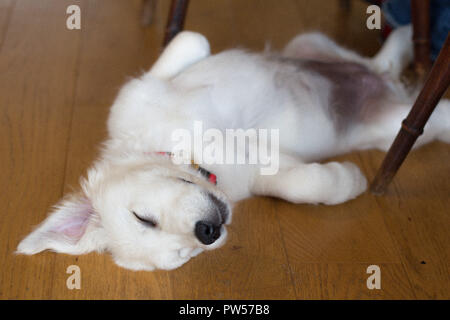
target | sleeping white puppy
[{"x": 149, "y": 212}]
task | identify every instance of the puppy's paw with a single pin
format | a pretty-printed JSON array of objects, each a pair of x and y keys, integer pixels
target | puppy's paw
[
  {"x": 193, "y": 42},
  {"x": 329, "y": 183},
  {"x": 359, "y": 180},
  {"x": 349, "y": 181},
  {"x": 396, "y": 54},
  {"x": 183, "y": 51}
]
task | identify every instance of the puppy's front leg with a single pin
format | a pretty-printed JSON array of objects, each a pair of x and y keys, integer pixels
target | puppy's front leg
[
  {"x": 183, "y": 51},
  {"x": 329, "y": 183}
]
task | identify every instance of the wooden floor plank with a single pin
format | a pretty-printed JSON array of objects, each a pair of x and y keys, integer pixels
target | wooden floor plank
[
  {"x": 37, "y": 78},
  {"x": 349, "y": 280},
  {"x": 416, "y": 212},
  {"x": 336, "y": 239},
  {"x": 214, "y": 19},
  {"x": 6, "y": 7},
  {"x": 262, "y": 27}
]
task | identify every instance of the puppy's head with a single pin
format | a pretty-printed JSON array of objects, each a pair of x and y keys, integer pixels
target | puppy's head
[{"x": 147, "y": 214}]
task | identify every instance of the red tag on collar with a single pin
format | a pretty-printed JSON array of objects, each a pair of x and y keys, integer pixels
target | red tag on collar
[{"x": 212, "y": 178}]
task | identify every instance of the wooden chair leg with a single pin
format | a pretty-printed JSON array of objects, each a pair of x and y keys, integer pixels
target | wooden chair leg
[
  {"x": 175, "y": 22},
  {"x": 420, "y": 12},
  {"x": 148, "y": 12},
  {"x": 345, "y": 4},
  {"x": 435, "y": 86}
]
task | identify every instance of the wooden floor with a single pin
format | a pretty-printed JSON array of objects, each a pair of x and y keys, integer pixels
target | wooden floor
[{"x": 56, "y": 86}]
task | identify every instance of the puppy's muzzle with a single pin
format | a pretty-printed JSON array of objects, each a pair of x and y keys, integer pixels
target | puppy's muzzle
[{"x": 208, "y": 230}]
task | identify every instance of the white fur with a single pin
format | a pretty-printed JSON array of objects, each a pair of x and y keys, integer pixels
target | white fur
[{"x": 233, "y": 89}]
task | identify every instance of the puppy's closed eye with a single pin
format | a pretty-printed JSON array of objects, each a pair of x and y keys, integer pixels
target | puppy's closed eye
[
  {"x": 146, "y": 221},
  {"x": 184, "y": 180}
]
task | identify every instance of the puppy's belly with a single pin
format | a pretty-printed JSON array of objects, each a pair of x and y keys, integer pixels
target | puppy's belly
[
  {"x": 356, "y": 93},
  {"x": 332, "y": 98}
]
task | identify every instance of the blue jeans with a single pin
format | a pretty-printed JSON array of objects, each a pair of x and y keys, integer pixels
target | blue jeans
[{"x": 398, "y": 13}]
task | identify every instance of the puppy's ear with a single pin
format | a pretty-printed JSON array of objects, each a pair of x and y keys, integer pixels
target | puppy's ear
[{"x": 73, "y": 227}]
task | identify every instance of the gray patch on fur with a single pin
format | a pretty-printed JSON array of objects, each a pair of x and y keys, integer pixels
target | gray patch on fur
[{"x": 355, "y": 89}]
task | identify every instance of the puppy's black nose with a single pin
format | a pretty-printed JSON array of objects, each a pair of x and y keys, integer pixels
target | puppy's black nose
[{"x": 207, "y": 232}]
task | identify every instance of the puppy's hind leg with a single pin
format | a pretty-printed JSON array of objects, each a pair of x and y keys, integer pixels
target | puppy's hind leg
[
  {"x": 381, "y": 132},
  {"x": 297, "y": 182},
  {"x": 396, "y": 53},
  {"x": 440, "y": 120}
]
